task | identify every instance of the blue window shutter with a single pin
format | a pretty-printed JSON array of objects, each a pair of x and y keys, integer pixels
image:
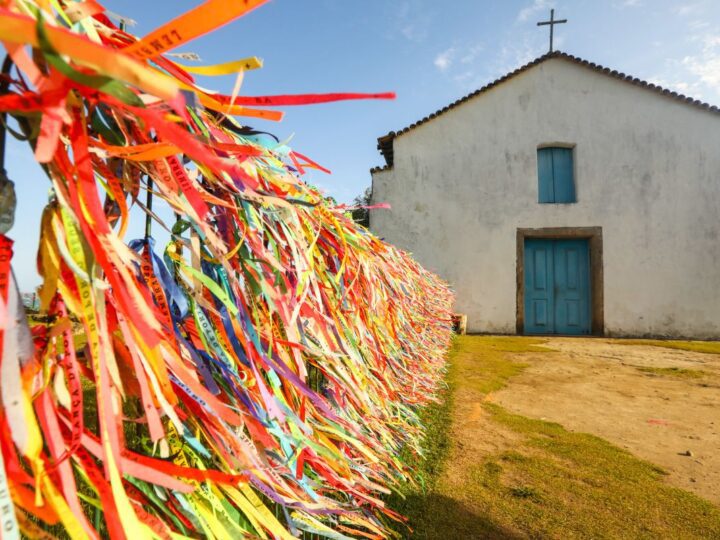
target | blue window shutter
[
  {"x": 546, "y": 189},
  {"x": 556, "y": 182},
  {"x": 563, "y": 181}
]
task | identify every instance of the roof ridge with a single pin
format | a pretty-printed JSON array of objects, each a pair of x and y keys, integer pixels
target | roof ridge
[{"x": 385, "y": 142}]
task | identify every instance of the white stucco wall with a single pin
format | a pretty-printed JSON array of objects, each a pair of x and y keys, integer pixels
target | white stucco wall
[{"x": 647, "y": 172}]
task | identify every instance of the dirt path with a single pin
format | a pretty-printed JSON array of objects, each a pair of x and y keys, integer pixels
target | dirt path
[{"x": 626, "y": 395}]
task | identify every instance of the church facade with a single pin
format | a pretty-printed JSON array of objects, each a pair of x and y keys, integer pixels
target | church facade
[{"x": 563, "y": 198}]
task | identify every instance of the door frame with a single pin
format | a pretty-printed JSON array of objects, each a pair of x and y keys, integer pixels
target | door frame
[{"x": 595, "y": 246}]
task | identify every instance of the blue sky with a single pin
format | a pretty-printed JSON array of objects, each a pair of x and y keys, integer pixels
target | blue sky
[{"x": 429, "y": 52}]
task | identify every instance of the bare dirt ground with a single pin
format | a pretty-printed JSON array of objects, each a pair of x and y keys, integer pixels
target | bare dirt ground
[{"x": 597, "y": 386}]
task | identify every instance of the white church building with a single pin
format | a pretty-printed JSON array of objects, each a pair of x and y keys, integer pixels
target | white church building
[{"x": 563, "y": 198}]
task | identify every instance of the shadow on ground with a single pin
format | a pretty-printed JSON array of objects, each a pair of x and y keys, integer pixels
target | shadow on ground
[{"x": 442, "y": 518}]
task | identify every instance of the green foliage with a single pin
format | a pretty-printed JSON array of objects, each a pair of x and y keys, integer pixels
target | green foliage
[{"x": 362, "y": 215}]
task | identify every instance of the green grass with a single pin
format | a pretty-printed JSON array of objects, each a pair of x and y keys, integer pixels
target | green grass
[
  {"x": 412, "y": 500},
  {"x": 708, "y": 347},
  {"x": 495, "y": 369},
  {"x": 422, "y": 504},
  {"x": 681, "y": 373},
  {"x": 546, "y": 483},
  {"x": 562, "y": 484}
]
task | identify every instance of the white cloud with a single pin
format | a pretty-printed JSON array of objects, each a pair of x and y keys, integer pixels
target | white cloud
[
  {"x": 622, "y": 4},
  {"x": 464, "y": 77},
  {"x": 413, "y": 22},
  {"x": 689, "y": 8},
  {"x": 706, "y": 65},
  {"x": 509, "y": 57},
  {"x": 534, "y": 8},
  {"x": 517, "y": 54},
  {"x": 409, "y": 31},
  {"x": 471, "y": 53},
  {"x": 696, "y": 74},
  {"x": 460, "y": 63},
  {"x": 445, "y": 59},
  {"x": 698, "y": 25}
]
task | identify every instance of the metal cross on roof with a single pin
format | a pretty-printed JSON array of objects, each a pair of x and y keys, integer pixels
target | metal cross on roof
[{"x": 552, "y": 22}]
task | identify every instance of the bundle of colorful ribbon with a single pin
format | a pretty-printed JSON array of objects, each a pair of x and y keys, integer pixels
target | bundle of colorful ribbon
[{"x": 260, "y": 376}]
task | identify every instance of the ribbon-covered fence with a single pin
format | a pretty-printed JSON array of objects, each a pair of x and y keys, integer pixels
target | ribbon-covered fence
[{"x": 259, "y": 376}]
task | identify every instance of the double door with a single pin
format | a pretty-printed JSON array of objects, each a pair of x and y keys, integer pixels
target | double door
[{"x": 557, "y": 286}]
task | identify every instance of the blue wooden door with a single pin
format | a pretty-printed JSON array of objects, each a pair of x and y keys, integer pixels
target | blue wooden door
[
  {"x": 539, "y": 284},
  {"x": 572, "y": 287},
  {"x": 557, "y": 286}
]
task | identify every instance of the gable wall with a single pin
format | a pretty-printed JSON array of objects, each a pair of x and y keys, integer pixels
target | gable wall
[{"x": 647, "y": 172}]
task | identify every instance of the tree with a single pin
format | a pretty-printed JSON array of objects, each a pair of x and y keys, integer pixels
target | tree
[{"x": 362, "y": 215}]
